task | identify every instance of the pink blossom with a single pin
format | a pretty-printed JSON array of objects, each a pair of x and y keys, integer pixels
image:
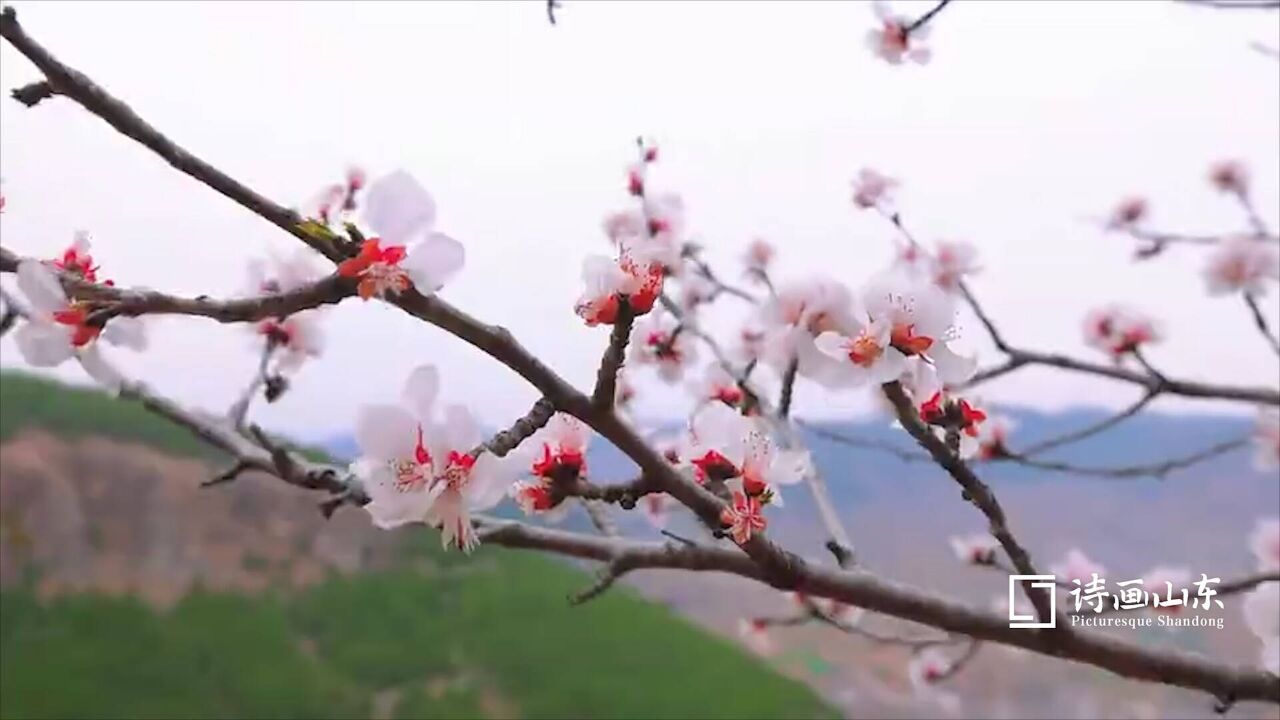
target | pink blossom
[
  {"x": 59, "y": 328},
  {"x": 77, "y": 260},
  {"x": 1230, "y": 176},
  {"x": 1264, "y": 541},
  {"x": 870, "y": 189},
  {"x": 1261, "y": 609},
  {"x": 1118, "y": 330},
  {"x": 665, "y": 218},
  {"x": 560, "y": 448},
  {"x": 1166, "y": 581},
  {"x": 1242, "y": 264},
  {"x": 758, "y": 256},
  {"x": 743, "y": 518},
  {"x": 624, "y": 391},
  {"x": 951, "y": 262},
  {"x": 842, "y": 613},
  {"x": 660, "y": 341},
  {"x": 1077, "y": 566},
  {"x": 717, "y": 384},
  {"x": 755, "y": 634},
  {"x": 623, "y": 225},
  {"x": 927, "y": 667},
  {"x": 904, "y": 319},
  {"x": 417, "y": 469},
  {"x": 401, "y": 212},
  {"x": 728, "y": 447},
  {"x": 892, "y": 41},
  {"x": 695, "y": 291},
  {"x": 298, "y": 336},
  {"x": 1128, "y": 213},
  {"x": 976, "y": 549},
  {"x": 631, "y": 276},
  {"x": 799, "y": 312},
  {"x": 992, "y": 439},
  {"x": 281, "y": 274},
  {"x": 749, "y": 346},
  {"x": 656, "y": 508},
  {"x": 1266, "y": 440},
  {"x": 533, "y": 497}
]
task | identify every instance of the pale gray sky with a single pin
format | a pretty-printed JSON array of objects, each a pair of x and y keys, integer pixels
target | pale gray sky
[{"x": 1033, "y": 118}]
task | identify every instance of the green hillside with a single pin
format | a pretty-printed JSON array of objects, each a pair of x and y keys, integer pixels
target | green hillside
[{"x": 440, "y": 636}]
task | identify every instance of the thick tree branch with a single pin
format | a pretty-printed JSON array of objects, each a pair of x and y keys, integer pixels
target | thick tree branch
[
  {"x": 864, "y": 590},
  {"x": 109, "y": 302}
]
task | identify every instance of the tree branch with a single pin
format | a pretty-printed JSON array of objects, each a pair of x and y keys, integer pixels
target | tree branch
[
  {"x": 1157, "y": 469},
  {"x": 110, "y": 301},
  {"x": 1260, "y": 322},
  {"x": 861, "y": 589},
  {"x": 523, "y": 428},
  {"x": 1091, "y": 430},
  {"x": 240, "y": 409},
  {"x": 614, "y": 355},
  {"x": 975, "y": 491}
]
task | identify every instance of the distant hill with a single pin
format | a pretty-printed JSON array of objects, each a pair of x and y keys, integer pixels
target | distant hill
[{"x": 129, "y": 592}]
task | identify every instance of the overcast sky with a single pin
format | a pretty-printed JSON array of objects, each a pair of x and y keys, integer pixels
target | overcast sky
[{"x": 1033, "y": 120}]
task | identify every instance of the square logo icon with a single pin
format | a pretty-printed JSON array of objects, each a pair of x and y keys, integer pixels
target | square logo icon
[{"x": 1018, "y": 620}]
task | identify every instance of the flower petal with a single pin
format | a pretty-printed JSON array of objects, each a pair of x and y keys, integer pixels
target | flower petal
[
  {"x": 889, "y": 367},
  {"x": 41, "y": 287},
  {"x": 434, "y": 261},
  {"x": 127, "y": 332},
  {"x": 420, "y": 391},
  {"x": 833, "y": 344},
  {"x": 386, "y": 432},
  {"x": 491, "y": 478},
  {"x": 952, "y": 368},
  {"x": 398, "y": 208},
  {"x": 1261, "y": 610},
  {"x": 43, "y": 344},
  {"x": 460, "y": 430},
  {"x": 100, "y": 370}
]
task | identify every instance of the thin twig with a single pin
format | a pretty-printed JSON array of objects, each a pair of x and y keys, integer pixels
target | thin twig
[
  {"x": 925, "y": 18},
  {"x": 975, "y": 491},
  {"x": 1157, "y": 470},
  {"x": 614, "y": 355},
  {"x": 1093, "y": 429},
  {"x": 240, "y": 409},
  {"x": 1260, "y": 322},
  {"x": 788, "y": 388}
]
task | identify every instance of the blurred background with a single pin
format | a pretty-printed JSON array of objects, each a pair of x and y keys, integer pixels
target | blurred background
[{"x": 128, "y": 591}]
